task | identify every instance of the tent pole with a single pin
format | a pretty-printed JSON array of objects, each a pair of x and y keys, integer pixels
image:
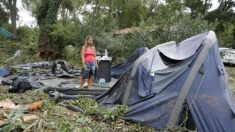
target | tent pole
[
  {"x": 187, "y": 84},
  {"x": 128, "y": 91}
]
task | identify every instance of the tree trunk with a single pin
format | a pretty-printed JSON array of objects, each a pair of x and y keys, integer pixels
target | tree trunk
[
  {"x": 45, "y": 45},
  {"x": 110, "y": 8},
  {"x": 13, "y": 12},
  {"x": 42, "y": 44}
]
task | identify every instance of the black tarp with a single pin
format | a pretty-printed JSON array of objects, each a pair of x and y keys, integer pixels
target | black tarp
[{"x": 22, "y": 84}]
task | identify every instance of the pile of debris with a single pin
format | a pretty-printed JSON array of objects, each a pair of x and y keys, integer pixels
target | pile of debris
[{"x": 14, "y": 116}]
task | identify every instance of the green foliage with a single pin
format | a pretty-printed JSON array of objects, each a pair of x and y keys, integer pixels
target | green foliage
[
  {"x": 113, "y": 113},
  {"x": 62, "y": 35},
  {"x": 4, "y": 15},
  {"x": 183, "y": 28},
  {"x": 25, "y": 53},
  {"x": 225, "y": 16},
  {"x": 72, "y": 55},
  {"x": 197, "y": 7},
  {"x": 172, "y": 21},
  {"x": 115, "y": 45},
  {"x": 132, "y": 14},
  {"x": 27, "y": 35},
  {"x": 7, "y": 26},
  {"x": 11, "y": 47},
  {"x": 46, "y": 13},
  {"x": 142, "y": 38},
  {"x": 30, "y": 49},
  {"x": 227, "y": 38},
  {"x": 91, "y": 107},
  {"x": 15, "y": 122}
]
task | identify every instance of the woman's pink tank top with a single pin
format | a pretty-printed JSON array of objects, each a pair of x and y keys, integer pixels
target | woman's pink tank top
[{"x": 89, "y": 55}]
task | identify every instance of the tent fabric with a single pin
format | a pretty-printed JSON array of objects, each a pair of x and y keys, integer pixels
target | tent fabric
[
  {"x": 62, "y": 69},
  {"x": 123, "y": 67},
  {"x": 115, "y": 94},
  {"x": 5, "y": 71},
  {"x": 150, "y": 59},
  {"x": 155, "y": 87},
  {"x": 22, "y": 84},
  {"x": 34, "y": 65},
  {"x": 183, "y": 50}
]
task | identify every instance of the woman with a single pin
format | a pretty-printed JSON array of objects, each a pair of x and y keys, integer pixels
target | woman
[{"x": 88, "y": 54}]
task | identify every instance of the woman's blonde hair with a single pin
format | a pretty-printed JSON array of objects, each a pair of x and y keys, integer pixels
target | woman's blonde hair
[{"x": 87, "y": 40}]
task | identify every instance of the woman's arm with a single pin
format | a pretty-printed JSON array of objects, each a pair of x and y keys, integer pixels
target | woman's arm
[
  {"x": 96, "y": 62},
  {"x": 82, "y": 54}
]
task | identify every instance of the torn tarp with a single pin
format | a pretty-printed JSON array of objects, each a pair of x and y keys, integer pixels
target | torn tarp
[
  {"x": 71, "y": 93},
  {"x": 21, "y": 84},
  {"x": 61, "y": 68},
  {"x": 5, "y": 71},
  {"x": 44, "y": 64}
]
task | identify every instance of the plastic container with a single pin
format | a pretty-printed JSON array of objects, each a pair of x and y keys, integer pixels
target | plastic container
[
  {"x": 101, "y": 81},
  {"x": 104, "y": 70},
  {"x": 106, "y": 53}
]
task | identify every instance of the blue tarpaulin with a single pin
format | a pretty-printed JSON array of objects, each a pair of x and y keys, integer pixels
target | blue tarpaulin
[{"x": 5, "y": 71}]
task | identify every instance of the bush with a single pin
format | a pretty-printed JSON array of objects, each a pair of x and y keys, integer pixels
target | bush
[
  {"x": 62, "y": 35},
  {"x": 27, "y": 35},
  {"x": 183, "y": 29}
]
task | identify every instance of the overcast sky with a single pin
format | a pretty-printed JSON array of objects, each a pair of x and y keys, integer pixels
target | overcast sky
[{"x": 25, "y": 17}]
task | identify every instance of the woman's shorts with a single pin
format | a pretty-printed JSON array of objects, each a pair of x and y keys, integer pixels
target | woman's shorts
[
  {"x": 89, "y": 70},
  {"x": 90, "y": 65}
]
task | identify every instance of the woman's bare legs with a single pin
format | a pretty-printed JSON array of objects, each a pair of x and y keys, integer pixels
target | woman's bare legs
[
  {"x": 90, "y": 82},
  {"x": 81, "y": 82}
]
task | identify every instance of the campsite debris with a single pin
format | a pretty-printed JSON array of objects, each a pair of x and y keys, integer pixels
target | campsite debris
[
  {"x": 14, "y": 117},
  {"x": 43, "y": 64},
  {"x": 76, "y": 108},
  {"x": 7, "y": 105},
  {"x": 17, "y": 121},
  {"x": 2, "y": 122},
  {"x": 34, "y": 106},
  {"x": 17, "y": 53},
  {"x": 30, "y": 118}
]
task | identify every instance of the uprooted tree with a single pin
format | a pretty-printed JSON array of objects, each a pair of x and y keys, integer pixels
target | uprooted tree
[{"x": 46, "y": 15}]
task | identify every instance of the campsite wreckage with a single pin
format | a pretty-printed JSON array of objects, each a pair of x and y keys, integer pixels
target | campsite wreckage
[{"x": 159, "y": 85}]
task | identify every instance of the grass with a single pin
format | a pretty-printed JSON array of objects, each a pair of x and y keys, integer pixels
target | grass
[
  {"x": 231, "y": 73},
  {"x": 57, "y": 118}
]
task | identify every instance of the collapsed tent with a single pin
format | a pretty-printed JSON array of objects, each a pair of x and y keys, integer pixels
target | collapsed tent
[
  {"x": 171, "y": 77},
  {"x": 123, "y": 67}
]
